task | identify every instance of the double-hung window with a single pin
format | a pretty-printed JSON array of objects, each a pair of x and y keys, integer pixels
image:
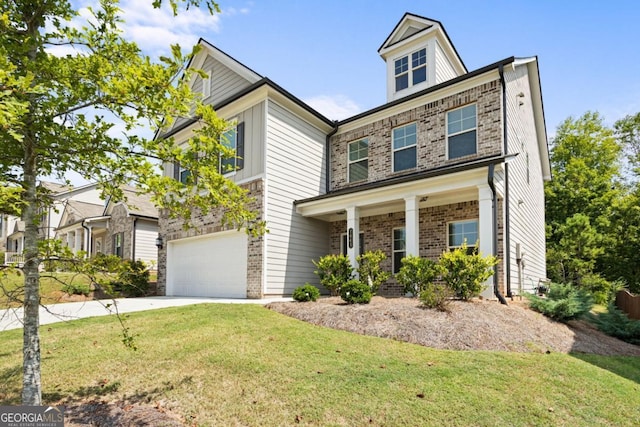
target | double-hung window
[
  {"x": 461, "y": 131},
  {"x": 118, "y": 244},
  {"x": 404, "y": 147},
  {"x": 399, "y": 248},
  {"x": 411, "y": 69},
  {"x": 233, "y": 139},
  {"x": 183, "y": 174},
  {"x": 461, "y": 232},
  {"x": 358, "y": 160}
]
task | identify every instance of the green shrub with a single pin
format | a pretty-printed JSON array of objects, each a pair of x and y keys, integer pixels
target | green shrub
[
  {"x": 416, "y": 274},
  {"x": 616, "y": 323},
  {"x": 464, "y": 272},
  {"x": 600, "y": 288},
  {"x": 132, "y": 279},
  {"x": 334, "y": 271},
  {"x": 76, "y": 289},
  {"x": 436, "y": 295},
  {"x": 356, "y": 292},
  {"x": 563, "y": 302},
  {"x": 369, "y": 269},
  {"x": 306, "y": 292}
]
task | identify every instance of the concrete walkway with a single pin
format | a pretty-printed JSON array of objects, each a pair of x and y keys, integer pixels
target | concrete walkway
[{"x": 12, "y": 318}]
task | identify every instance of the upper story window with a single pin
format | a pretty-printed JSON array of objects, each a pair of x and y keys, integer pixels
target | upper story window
[
  {"x": 461, "y": 132},
  {"x": 233, "y": 139},
  {"x": 411, "y": 69},
  {"x": 404, "y": 147},
  {"x": 206, "y": 85},
  {"x": 461, "y": 232},
  {"x": 183, "y": 174},
  {"x": 358, "y": 160}
]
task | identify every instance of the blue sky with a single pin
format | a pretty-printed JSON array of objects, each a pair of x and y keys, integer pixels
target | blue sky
[{"x": 325, "y": 52}]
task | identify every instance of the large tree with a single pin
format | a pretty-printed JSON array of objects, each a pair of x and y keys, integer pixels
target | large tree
[
  {"x": 57, "y": 114},
  {"x": 585, "y": 161}
]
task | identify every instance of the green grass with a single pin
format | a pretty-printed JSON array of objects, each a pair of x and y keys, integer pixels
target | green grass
[{"x": 245, "y": 365}]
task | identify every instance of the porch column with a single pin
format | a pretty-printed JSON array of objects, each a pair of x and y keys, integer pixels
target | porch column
[
  {"x": 485, "y": 231},
  {"x": 412, "y": 225},
  {"x": 79, "y": 239},
  {"x": 353, "y": 235}
]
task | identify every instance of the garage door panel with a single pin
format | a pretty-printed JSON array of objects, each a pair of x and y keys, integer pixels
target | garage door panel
[{"x": 212, "y": 266}]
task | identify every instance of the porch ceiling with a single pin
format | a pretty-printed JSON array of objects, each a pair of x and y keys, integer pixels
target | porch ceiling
[{"x": 434, "y": 191}]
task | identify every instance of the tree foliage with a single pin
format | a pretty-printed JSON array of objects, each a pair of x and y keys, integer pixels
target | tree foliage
[{"x": 83, "y": 110}]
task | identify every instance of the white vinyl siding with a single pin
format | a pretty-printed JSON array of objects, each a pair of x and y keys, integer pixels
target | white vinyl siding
[
  {"x": 526, "y": 199},
  {"x": 294, "y": 170},
  {"x": 145, "y": 238},
  {"x": 444, "y": 69}
]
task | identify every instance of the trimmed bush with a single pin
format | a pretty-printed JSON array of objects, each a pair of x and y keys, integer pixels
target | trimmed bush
[
  {"x": 563, "y": 302},
  {"x": 76, "y": 289},
  {"x": 436, "y": 295},
  {"x": 416, "y": 274},
  {"x": 133, "y": 279},
  {"x": 356, "y": 292},
  {"x": 465, "y": 273},
  {"x": 306, "y": 292},
  {"x": 369, "y": 270},
  {"x": 334, "y": 271},
  {"x": 616, "y": 323}
]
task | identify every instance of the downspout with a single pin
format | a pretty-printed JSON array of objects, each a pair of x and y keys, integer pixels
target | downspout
[
  {"x": 507, "y": 220},
  {"x": 87, "y": 240},
  {"x": 133, "y": 240},
  {"x": 494, "y": 205},
  {"x": 327, "y": 160}
]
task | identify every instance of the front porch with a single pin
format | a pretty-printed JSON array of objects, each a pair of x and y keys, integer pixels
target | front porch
[{"x": 423, "y": 217}]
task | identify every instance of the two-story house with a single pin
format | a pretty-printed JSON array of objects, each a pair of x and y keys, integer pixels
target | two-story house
[{"x": 452, "y": 156}]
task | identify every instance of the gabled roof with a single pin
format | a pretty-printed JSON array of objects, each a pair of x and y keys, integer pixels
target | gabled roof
[
  {"x": 137, "y": 204},
  {"x": 227, "y": 60},
  {"x": 411, "y": 27},
  {"x": 76, "y": 211}
]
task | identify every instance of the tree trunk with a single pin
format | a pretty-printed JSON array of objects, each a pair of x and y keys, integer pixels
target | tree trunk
[{"x": 31, "y": 384}]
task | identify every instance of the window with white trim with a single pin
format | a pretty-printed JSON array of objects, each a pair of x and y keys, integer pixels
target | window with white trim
[
  {"x": 461, "y": 132},
  {"x": 344, "y": 245},
  {"x": 399, "y": 248},
  {"x": 118, "y": 244},
  {"x": 461, "y": 232},
  {"x": 358, "y": 160},
  {"x": 404, "y": 147},
  {"x": 233, "y": 139},
  {"x": 411, "y": 69},
  {"x": 206, "y": 85},
  {"x": 183, "y": 174}
]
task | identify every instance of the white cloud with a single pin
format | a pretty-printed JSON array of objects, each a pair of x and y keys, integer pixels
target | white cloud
[{"x": 335, "y": 107}]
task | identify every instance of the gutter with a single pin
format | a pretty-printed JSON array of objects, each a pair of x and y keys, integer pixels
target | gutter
[
  {"x": 494, "y": 205},
  {"x": 327, "y": 160},
  {"x": 507, "y": 216}
]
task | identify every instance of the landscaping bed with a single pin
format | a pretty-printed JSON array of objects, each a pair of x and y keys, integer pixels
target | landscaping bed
[{"x": 473, "y": 325}]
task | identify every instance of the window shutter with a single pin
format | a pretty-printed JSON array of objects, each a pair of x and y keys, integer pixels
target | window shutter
[
  {"x": 240, "y": 146},
  {"x": 176, "y": 171}
]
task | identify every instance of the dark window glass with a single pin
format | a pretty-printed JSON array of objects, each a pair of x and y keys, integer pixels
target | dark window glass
[
  {"x": 462, "y": 144},
  {"x": 404, "y": 159}
]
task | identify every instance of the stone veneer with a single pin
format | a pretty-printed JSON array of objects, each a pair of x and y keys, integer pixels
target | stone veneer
[
  {"x": 431, "y": 136},
  {"x": 172, "y": 229},
  {"x": 119, "y": 222},
  {"x": 433, "y": 235}
]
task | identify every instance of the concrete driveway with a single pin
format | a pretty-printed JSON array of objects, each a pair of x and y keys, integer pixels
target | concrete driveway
[{"x": 12, "y": 318}]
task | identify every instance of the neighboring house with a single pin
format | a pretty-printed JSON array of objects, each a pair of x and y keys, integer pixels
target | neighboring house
[
  {"x": 452, "y": 156},
  {"x": 12, "y": 230},
  {"x": 126, "y": 229}
]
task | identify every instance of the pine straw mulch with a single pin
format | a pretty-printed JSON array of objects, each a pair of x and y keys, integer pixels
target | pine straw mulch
[{"x": 473, "y": 325}]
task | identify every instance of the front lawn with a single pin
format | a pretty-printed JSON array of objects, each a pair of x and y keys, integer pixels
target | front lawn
[{"x": 245, "y": 365}]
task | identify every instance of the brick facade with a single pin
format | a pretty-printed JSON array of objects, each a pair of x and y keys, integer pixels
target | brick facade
[
  {"x": 173, "y": 229},
  {"x": 433, "y": 235},
  {"x": 431, "y": 136}
]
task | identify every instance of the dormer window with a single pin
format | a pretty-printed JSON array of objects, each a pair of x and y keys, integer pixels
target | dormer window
[{"x": 406, "y": 76}]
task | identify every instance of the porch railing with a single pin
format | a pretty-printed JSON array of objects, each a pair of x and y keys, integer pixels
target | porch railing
[{"x": 14, "y": 258}]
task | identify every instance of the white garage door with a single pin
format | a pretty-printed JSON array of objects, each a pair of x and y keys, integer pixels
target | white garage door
[{"x": 210, "y": 266}]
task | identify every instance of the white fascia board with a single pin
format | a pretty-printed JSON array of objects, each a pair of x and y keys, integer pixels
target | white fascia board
[
  {"x": 421, "y": 100},
  {"x": 538, "y": 110},
  {"x": 417, "y": 188},
  {"x": 228, "y": 62}
]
